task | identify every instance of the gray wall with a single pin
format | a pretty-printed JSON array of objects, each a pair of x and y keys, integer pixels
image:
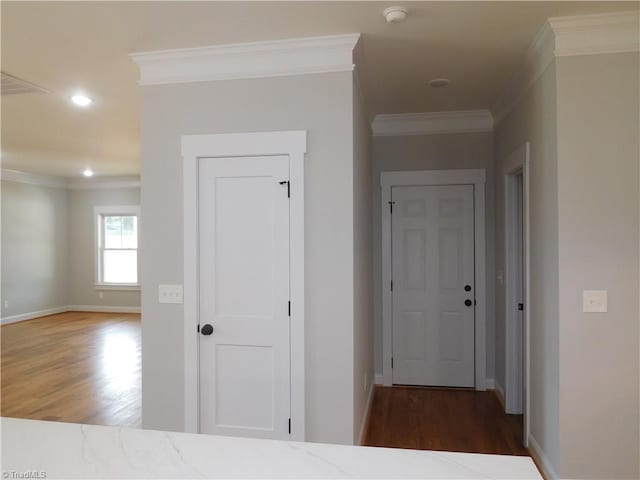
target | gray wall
[
  {"x": 433, "y": 152},
  {"x": 321, "y": 104},
  {"x": 533, "y": 119},
  {"x": 34, "y": 248},
  {"x": 598, "y": 197},
  {"x": 48, "y": 247},
  {"x": 582, "y": 119},
  {"x": 363, "y": 369},
  {"x": 82, "y": 243}
]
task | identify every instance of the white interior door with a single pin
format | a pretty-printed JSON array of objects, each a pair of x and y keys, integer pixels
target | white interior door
[
  {"x": 433, "y": 285},
  {"x": 515, "y": 404},
  {"x": 244, "y": 296}
]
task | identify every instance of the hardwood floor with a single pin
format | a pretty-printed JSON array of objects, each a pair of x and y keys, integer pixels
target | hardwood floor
[
  {"x": 443, "y": 419},
  {"x": 73, "y": 367},
  {"x": 85, "y": 368}
]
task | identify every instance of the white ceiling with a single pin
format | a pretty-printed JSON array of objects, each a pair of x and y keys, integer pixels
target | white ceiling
[{"x": 68, "y": 46}]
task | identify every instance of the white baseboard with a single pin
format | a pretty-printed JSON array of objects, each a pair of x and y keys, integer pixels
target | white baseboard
[
  {"x": 542, "y": 460},
  {"x": 68, "y": 308},
  {"x": 501, "y": 398},
  {"x": 490, "y": 383},
  {"x": 30, "y": 315},
  {"x": 102, "y": 308},
  {"x": 378, "y": 379},
  {"x": 500, "y": 390},
  {"x": 365, "y": 417}
]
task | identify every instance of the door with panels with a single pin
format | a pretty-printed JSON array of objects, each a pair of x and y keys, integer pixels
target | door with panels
[
  {"x": 433, "y": 304},
  {"x": 244, "y": 340}
]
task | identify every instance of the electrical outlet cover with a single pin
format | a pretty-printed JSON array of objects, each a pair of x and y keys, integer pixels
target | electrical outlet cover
[{"x": 594, "y": 301}]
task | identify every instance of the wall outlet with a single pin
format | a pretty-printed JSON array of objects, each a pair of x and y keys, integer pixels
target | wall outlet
[
  {"x": 6, "y": 304},
  {"x": 594, "y": 301},
  {"x": 169, "y": 293}
]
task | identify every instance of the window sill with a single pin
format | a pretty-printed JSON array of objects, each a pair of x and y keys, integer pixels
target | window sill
[{"x": 101, "y": 286}]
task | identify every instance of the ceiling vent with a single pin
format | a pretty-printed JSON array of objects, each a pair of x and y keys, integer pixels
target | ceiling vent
[{"x": 12, "y": 85}]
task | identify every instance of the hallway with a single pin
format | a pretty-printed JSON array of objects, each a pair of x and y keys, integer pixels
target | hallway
[{"x": 443, "y": 419}]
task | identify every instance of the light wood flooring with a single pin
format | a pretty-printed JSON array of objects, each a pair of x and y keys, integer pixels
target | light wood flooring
[{"x": 73, "y": 367}]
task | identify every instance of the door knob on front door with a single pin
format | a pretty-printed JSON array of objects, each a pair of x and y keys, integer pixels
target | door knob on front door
[
  {"x": 468, "y": 302},
  {"x": 467, "y": 288},
  {"x": 206, "y": 329}
]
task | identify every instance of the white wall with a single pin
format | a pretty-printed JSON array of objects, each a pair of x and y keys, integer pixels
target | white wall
[
  {"x": 598, "y": 217},
  {"x": 34, "y": 248},
  {"x": 363, "y": 367},
  {"x": 534, "y": 119},
  {"x": 321, "y": 104},
  {"x": 82, "y": 289},
  {"x": 433, "y": 152}
]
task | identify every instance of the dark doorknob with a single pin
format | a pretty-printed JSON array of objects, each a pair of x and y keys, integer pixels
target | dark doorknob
[
  {"x": 468, "y": 302},
  {"x": 467, "y": 288},
  {"x": 206, "y": 329}
]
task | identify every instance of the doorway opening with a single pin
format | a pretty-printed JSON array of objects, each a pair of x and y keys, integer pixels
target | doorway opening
[{"x": 516, "y": 286}]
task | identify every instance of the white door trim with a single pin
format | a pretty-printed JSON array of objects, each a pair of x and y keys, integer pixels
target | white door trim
[
  {"x": 517, "y": 161},
  {"x": 436, "y": 177},
  {"x": 293, "y": 144}
]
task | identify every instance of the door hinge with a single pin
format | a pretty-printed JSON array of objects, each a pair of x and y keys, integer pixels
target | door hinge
[
  {"x": 289, "y": 307},
  {"x": 392, "y": 285},
  {"x": 521, "y": 306},
  {"x": 391, "y": 207},
  {"x": 391, "y": 362},
  {"x": 289, "y": 426},
  {"x": 288, "y": 183}
]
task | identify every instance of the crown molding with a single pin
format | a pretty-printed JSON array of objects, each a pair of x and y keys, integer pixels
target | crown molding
[
  {"x": 67, "y": 183},
  {"x": 103, "y": 183},
  {"x": 296, "y": 56},
  {"x": 32, "y": 179},
  {"x": 570, "y": 36},
  {"x": 617, "y": 32},
  {"x": 431, "y": 123},
  {"x": 538, "y": 57}
]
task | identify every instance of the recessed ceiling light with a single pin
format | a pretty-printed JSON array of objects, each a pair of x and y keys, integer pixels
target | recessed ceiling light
[
  {"x": 395, "y": 14},
  {"x": 88, "y": 173},
  {"x": 439, "y": 82},
  {"x": 81, "y": 100}
]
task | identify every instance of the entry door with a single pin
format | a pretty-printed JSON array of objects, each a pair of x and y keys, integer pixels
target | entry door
[
  {"x": 244, "y": 296},
  {"x": 433, "y": 285}
]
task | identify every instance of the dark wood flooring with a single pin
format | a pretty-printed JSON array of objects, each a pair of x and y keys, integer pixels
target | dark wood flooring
[
  {"x": 73, "y": 367},
  {"x": 443, "y": 419}
]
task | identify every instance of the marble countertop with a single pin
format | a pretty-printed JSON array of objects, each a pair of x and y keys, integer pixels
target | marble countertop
[{"x": 68, "y": 450}]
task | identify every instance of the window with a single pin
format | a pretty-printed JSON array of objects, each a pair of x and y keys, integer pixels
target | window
[{"x": 117, "y": 236}]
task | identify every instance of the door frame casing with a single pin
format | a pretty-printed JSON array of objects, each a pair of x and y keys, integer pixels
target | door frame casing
[
  {"x": 194, "y": 147},
  {"x": 516, "y": 162},
  {"x": 475, "y": 177}
]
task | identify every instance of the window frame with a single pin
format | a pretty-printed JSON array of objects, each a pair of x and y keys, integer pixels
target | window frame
[{"x": 99, "y": 213}]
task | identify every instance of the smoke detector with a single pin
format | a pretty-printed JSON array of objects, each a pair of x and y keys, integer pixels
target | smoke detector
[
  {"x": 439, "y": 82},
  {"x": 395, "y": 14}
]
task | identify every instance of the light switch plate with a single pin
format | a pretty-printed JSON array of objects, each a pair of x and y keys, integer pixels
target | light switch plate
[
  {"x": 170, "y": 293},
  {"x": 594, "y": 301}
]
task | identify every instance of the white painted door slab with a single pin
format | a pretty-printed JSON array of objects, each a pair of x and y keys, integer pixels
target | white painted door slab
[
  {"x": 243, "y": 296},
  {"x": 433, "y": 276}
]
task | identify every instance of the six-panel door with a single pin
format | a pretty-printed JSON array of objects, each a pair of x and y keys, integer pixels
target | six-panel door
[
  {"x": 433, "y": 285},
  {"x": 243, "y": 296}
]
